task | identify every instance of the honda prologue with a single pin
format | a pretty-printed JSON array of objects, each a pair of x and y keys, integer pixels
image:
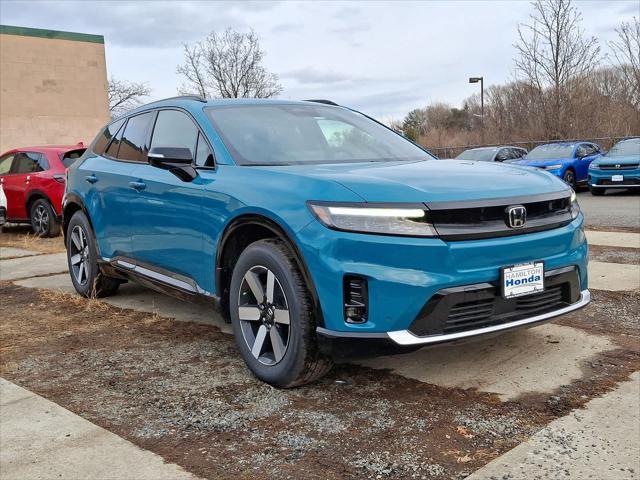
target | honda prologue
[{"x": 316, "y": 230}]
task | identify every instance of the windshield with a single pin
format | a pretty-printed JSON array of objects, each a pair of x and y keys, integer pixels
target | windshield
[
  {"x": 305, "y": 134},
  {"x": 478, "y": 154},
  {"x": 549, "y": 152},
  {"x": 625, "y": 148}
]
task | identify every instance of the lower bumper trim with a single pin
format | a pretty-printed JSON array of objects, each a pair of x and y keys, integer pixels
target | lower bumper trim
[{"x": 405, "y": 337}]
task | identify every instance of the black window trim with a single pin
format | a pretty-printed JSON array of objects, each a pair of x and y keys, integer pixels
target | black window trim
[{"x": 150, "y": 136}]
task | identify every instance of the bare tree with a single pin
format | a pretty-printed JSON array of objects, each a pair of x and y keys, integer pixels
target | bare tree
[
  {"x": 124, "y": 95},
  {"x": 626, "y": 50},
  {"x": 553, "y": 51},
  {"x": 228, "y": 65}
]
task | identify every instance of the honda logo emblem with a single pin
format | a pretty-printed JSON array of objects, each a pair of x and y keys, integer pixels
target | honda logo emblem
[{"x": 516, "y": 216}]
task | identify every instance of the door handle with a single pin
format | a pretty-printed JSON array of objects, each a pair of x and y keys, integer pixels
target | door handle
[
  {"x": 91, "y": 178},
  {"x": 28, "y": 179},
  {"x": 139, "y": 186}
]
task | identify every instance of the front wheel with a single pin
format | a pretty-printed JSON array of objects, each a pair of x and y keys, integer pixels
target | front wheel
[
  {"x": 44, "y": 222},
  {"x": 570, "y": 178},
  {"x": 273, "y": 317},
  {"x": 82, "y": 259}
]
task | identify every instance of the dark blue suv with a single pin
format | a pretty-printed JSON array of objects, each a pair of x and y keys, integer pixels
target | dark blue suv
[{"x": 319, "y": 232}]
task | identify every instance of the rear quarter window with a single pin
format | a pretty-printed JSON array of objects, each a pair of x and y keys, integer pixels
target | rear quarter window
[{"x": 106, "y": 135}]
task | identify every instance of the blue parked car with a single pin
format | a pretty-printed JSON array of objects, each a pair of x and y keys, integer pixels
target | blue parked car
[
  {"x": 618, "y": 168},
  {"x": 319, "y": 232},
  {"x": 569, "y": 161}
]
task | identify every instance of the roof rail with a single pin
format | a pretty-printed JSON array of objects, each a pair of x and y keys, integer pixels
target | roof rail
[
  {"x": 198, "y": 98},
  {"x": 326, "y": 102}
]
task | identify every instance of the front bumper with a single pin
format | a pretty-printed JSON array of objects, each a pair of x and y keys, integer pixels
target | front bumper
[
  {"x": 404, "y": 273},
  {"x": 604, "y": 178}
]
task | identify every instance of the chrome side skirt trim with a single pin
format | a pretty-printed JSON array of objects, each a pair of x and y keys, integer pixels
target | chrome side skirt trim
[
  {"x": 165, "y": 277},
  {"x": 405, "y": 337}
]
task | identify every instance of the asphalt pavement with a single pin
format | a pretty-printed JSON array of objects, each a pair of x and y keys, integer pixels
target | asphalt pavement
[{"x": 614, "y": 211}]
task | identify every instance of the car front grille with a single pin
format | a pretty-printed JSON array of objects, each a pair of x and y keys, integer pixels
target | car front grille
[
  {"x": 473, "y": 307},
  {"x": 460, "y": 221},
  {"x": 619, "y": 167},
  {"x": 631, "y": 182}
]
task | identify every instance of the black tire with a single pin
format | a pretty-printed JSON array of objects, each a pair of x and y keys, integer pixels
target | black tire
[
  {"x": 597, "y": 191},
  {"x": 86, "y": 277},
  {"x": 569, "y": 178},
  {"x": 301, "y": 362},
  {"x": 44, "y": 222}
]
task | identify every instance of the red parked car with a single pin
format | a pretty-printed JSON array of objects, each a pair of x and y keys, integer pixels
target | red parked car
[{"x": 33, "y": 180}]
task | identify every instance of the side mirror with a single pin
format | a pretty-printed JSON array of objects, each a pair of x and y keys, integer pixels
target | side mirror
[{"x": 177, "y": 160}]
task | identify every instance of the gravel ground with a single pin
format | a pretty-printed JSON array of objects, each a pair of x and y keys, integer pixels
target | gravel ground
[
  {"x": 614, "y": 254},
  {"x": 181, "y": 390}
]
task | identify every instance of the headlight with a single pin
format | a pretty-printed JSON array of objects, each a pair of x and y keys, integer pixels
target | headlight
[
  {"x": 574, "y": 207},
  {"x": 385, "y": 220},
  {"x": 594, "y": 166},
  {"x": 553, "y": 167}
]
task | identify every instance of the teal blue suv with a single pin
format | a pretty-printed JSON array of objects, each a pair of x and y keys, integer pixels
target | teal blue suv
[
  {"x": 618, "y": 168},
  {"x": 318, "y": 232}
]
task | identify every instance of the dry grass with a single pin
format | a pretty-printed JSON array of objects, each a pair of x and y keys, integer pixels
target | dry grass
[{"x": 20, "y": 236}]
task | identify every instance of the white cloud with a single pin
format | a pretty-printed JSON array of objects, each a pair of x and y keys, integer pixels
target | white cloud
[{"x": 382, "y": 57}]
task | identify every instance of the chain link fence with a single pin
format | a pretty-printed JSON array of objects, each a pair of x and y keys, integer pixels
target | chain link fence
[{"x": 451, "y": 152}]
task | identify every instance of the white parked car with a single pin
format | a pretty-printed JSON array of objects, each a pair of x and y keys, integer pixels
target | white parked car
[{"x": 3, "y": 206}]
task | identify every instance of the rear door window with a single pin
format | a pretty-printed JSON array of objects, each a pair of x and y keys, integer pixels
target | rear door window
[
  {"x": 28, "y": 162},
  {"x": 134, "y": 146}
]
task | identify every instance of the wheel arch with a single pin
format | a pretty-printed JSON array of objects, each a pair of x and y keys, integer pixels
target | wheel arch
[
  {"x": 71, "y": 205},
  {"x": 239, "y": 234},
  {"x": 34, "y": 195}
]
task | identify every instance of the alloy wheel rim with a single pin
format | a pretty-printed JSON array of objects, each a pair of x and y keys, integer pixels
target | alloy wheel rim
[
  {"x": 264, "y": 315},
  {"x": 41, "y": 219},
  {"x": 79, "y": 255}
]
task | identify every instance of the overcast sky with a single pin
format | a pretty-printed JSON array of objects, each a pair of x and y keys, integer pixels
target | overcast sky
[{"x": 384, "y": 58}]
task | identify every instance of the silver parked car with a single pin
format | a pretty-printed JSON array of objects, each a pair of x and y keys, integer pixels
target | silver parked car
[{"x": 493, "y": 154}]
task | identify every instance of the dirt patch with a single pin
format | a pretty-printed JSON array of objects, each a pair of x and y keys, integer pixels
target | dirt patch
[
  {"x": 20, "y": 236},
  {"x": 601, "y": 253},
  {"x": 181, "y": 390}
]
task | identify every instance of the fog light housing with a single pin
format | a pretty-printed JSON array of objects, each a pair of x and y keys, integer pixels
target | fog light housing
[{"x": 356, "y": 299}]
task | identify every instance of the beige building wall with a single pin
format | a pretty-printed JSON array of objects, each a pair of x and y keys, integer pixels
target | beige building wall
[{"x": 53, "y": 87}]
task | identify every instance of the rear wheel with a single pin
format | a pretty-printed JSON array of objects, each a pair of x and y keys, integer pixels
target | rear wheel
[
  {"x": 570, "y": 178},
  {"x": 82, "y": 258},
  {"x": 597, "y": 191},
  {"x": 44, "y": 222},
  {"x": 273, "y": 317}
]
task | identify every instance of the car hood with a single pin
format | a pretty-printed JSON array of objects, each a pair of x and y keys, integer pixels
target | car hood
[
  {"x": 541, "y": 163},
  {"x": 622, "y": 160},
  {"x": 432, "y": 181}
]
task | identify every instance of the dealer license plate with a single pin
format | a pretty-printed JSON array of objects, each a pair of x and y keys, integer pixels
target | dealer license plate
[
  {"x": 617, "y": 178},
  {"x": 522, "y": 279}
]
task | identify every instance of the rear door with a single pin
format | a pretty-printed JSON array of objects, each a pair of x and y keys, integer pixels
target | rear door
[
  {"x": 169, "y": 223},
  {"x": 109, "y": 195}
]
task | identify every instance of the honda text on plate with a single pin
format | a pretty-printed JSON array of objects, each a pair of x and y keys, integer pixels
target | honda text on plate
[{"x": 319, "y": 232}]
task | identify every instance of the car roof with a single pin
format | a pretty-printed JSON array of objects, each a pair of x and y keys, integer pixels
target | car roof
[{"x": 191, "y": 101}]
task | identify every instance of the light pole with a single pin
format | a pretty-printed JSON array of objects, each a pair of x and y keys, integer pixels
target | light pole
[{"x": 481, "y": 80}]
